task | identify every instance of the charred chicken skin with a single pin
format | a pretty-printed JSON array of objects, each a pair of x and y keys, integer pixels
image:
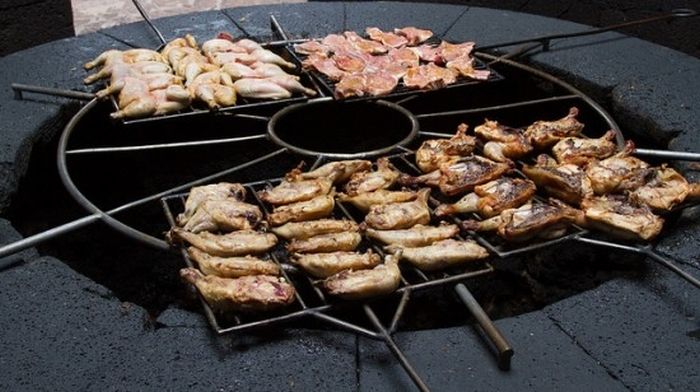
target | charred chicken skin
[
  {"x": 400, "y": 215},
  {"x": 308, "y": 229},
  {"x": 440, "y": 255},
  {"x": 580, "y": 151},
  {"x": 368, "y": 181},
  {"x": 380, "y": 280},
  {"x": 323, "y": 265},
  {"x": 432, "y": 153},
  {"x": 462, "y": 175},
  {"x": 232, "y": 267},
  {"x": 618, "y": 173},
  {"x": 502, "y": 142},
  {"x": 492, "y": 198},
  {"x": 416, "y": 236},
  {"x": 544, "y": 134},
  {"x": 663, "y": 190},
  {"x": 567, "y": 181},
  {"x": 338, "y": 171},
  {"x": 616, "y": 215}
]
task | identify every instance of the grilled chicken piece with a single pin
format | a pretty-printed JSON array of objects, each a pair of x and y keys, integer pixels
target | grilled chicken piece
[
  {"x": 224, "y": 215},
  {"x": 232, "y": 267},
  {"x": 618, "y": 173},
  {"x": 404, "y": 57},
  {"x": 400, "y": 215},
  {"x": 429, "y": 76},
  {"x": 427, "y": 53},
  {"x": 318, "y": 207},
  {"x": 200, "y": 194},
  {"x": 288, "y": 192},
  {"x": 461, "y": 176},
  {"x": 580, "y": 151},
  {"x": 324, "y": 65},
  {"x": 664, "y": 189},
  {"x": 380, "y": 82},
  {"x": 544, "y": 134},
  {"x": 364, "y": 201},
  {"x": 388, "y": 39},
  {"x": 349, "y": 62},
  {"x": 450, "y": 52},
  {"x": 214, "y": 88},
  {"x": 131, "y": 56},
  {"x": 567, "y": 181},
  {"x": 414, "y": 35},
  {"x": 323, "y": 265},
  {"x": 304, "y": 230},
  {"x": 236, "y": 243},
  {"x": 324, "y": 243},
  {"x": 364, "y": 45},
  {"x": 260, "y": 89},
  {"x": 464, "y": 66},
  {"x": 440, "y": 255},
  {"x": 432, "y": 153},
  {"x": 492, "y": 198},
  {"x": 504, "y": 142},
  {"x": 338, "y": 171},
  {"x": 616, "y": 215},
  {"x": 310, "y": 47},
  {"x": 351, "y": 85},
  {"x": 369, "y": 181},
  {"x": 382, "y": 279},
  {"x": 530, "y": 221},
  {"x": 416, "y": 236},
  {"x": 247, "y": 293}
]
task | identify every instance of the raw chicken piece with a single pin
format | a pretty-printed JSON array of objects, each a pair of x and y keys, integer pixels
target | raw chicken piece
[
  {"x": 294, "y": 191},
  {"x": 440, "y": 255},
  {"x": 432, "y": 153},
  {"x": 308, "y": 229},
  {"x": 223, "y": 58},
  {"x": 214, "y": 88},
  {"x": 580, "y": 151},
  {"x": 492, "y": 198},
  {"x": 416, "y": 236},
  {"x": 349, "y": 62},
  {"x": 323, "y": 265},
  {"x": 338, "y": 171},
  {"x": 364, "y": 201},
  {"x": 504, "y": 143},
  {"x": 236, "y": 243},
  {"x": 120, "y": 70},
  {"x": 324, "y": 243},
  {"x": 219, "y": 45},
  {"x": 200, "y": 194},
  {"x": 462, "y": 175},
  {"x": 365, "y": 45},
  {"x": 136, "y": 100},
  {"x": 232, "y": 267},
  {"x": 310, "y": 47},
  {"x": 428, "y": 53},
  {"x": 450, "y": 52},
  {"x": 404, "y": 57},
  {"x": 465, "y": 66},
  {"x": 567, "y": 182},
  {"x": 664, "y": 189},
  {"x": 351, "y": 85},
  {"x": 131, "y": 56},
  {"x": 224, "y": 215},
  {"x": 266, "y": 56},
  {"x": 400, "y": 215},
  {"x": 247, "y": 293},
  {"x": 369, "y": 181},
  {"x": 619, "y": 217},
  {"x": 241, "y": 71},
  {"x": 337, "y": 43},
  {"x": 318, "y": 207},
  {"x": 388, "y": 39},
  {"x": 324, "y": 65},
  {"x": 260, "y": 89},
  {"x": 382, "y": 279},
  {"x": 428, "y": 77},
  {"x": 291, "y": 84},
  {"x": 380, "y": 83},
  {"x": 618, "y": 173},
  {"x": 544, "y": 134},
  {"x": 414, "y": 35}
]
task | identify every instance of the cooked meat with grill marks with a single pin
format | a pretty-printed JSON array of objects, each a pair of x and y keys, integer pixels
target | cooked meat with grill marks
[
  {"x": 618, "y": 173},
  {"x": 492, "y": 198},
  {"x": 224, "y": 215},
  {"x": 567, "y": 182},
  {"x": 462, "y": 175},
  {"x": 382, "y": 279},
  {"x": 450, "y": 52},
  {"x": 247, "y": 293},
  {"x": 369, "y": 181},
  {"x": 318, "y": 207},
  {"x": 414, "y": 35},
  {"x": 338, "y": 171},
  {"x": 323, "y": 265},
  {"x": 400, "y": 215},
  {"x": 308, "y": 229},
  {"x": 323, "y": 243},
  {"x": 465, "y": 66},
  {"x": 388, "y": 39},
  {"x": 440, "y": 255},
  {"x": 351, "y": 85},
  {"x": 664, "y": 189},
  {"x": 529, "y": 221},
  {"x": 616, "y": 215},
  {"x": 580, "y": 151},
  {"x": 432, "y": 153},
  {"x": 232, "y": 267},
  {"x": 364, "y": 45},
  {"x": 236, "y": 243},
  {"x": 200, "y": 194},
  {"x": 503, "y": 142},
  {"x": 544, "y": 134},
  {"x": 288, "y": 192},
  {"x": 364, "y": 201},
  {"x": 416, "y": 236}
]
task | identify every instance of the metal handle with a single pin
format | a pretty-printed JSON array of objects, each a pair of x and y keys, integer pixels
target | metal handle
[
  {"x": 503, "y": 348},
  {"x": 58, "y": 92},
  {"x": 145, "y": 17},
  {"x": 665, "y": 154}
]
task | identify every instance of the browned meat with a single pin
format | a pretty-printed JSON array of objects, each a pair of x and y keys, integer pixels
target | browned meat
[
  {"x": 461, "y": 176},
  {"x": 363, "y": 201},
  {"x": 304, "y": 230},
  {"x": 416, "y": 236},
  {"x": 224, "y": 215},
  {"x": 432, "y": 153},
  {"x": 382, "y": 279},
  {"x": 369, "y": 181},
  {"x": 664, "y": 189},
  {"x": 318, "y": 207},
  {"x": 543, "y": 134},
  {"x": 294, "y": 191},
  {"x": 200, "y": 194},
  {"x": 567, "y": 182},
  {"x": 388, "y": 39},
  {"x": 619, "y": 217},
  {"x": 492, "y": 198},
  {"x": 503, "y": 142},
  {"x": 232, "y": 267},
  {"x": 414, "y": 35},
  {"x": 580, "y": 151},
  {"x": 441, "y": 254},
  {"x": 618, "y": 173},
  {"x": 324, "y": 243},
  {"x": 236, "y": 243},
  {"x": 400, "y": 215},
  {"x": 323, "y": 265}
]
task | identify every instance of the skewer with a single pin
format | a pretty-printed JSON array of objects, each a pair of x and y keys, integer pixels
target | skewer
[
  {"x": 145, "y": 17},
  {"x": 58, "y": 92},
  {"x": 673, "y": 155}
]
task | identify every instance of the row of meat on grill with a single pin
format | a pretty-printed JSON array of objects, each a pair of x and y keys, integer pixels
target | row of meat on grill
[{"x": 149, "y": 83}]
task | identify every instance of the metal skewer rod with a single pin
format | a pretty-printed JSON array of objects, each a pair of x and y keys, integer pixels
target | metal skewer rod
[
  {"x": 58, "y": 92},
  {"x": 145, "y": 17},
  {"x": 165, "y": 145},
  {"x": 665, "y": 154}
]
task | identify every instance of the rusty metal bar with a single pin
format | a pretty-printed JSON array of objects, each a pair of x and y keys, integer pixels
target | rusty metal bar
[{"x": 19, "y": 89}]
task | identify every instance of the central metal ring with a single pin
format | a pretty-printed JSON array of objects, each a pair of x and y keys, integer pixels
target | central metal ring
[{"x": 343, "y": 130}]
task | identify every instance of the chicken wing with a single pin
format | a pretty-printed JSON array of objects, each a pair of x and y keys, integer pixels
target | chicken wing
[
  {"x": 318, "y": 207},
  {"x": 323, "y": 265},
  {"x": 236, "y": 243},
  {"x": 580, "y": 151},
  {"x": 543, "y": 134},
  {"x": 308, "y": 229},
  {"x": 364, "y": 201},
  {"x": 224, "y": 215},
  {"x": 567, "y": 182},
  {"x": 338, "y": 171},
  {"x": 432, "y": 153},
  {"x": 323, "y": 243},
  {"x": 247, "y": 293},
  {"x": 461, "y": 176},
  {"x": 382, "y": 279},
  {"x": 618, "y": 173},
  {"x": 232, "y": 267},
  {"x": 200, "y": 194},
  {"x": 440, "y": 255},
  {"x": 503, "y": 142},
  {"x": 288, "y": 192},
  {"x": 616, "y": 215},
  {"x": 664, "y": 189},
  {"x": 416, "y": 236},
  {"x": 368, "y": 181},
  {"x": 400, "y": 215},
  {"x": 492, "y": 198}
]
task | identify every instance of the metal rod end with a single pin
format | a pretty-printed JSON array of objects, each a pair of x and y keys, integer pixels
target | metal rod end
[
  {"x": 684, "y": 12},
  {"x": 504, "y": 359}
]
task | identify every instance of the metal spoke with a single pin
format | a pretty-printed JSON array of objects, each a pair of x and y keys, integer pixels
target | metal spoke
[
  {"x": 675, "y": 155},
  {"x": 58, "y": 92},
  {"x": 165, "y": 145},
  {"x": 498, "y": 107},
  {"x": 346, "y": 325},
  {"x": 145, "y": 17}
]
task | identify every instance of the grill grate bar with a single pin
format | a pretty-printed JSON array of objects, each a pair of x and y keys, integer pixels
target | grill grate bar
[{"x": 499, "y": 107}]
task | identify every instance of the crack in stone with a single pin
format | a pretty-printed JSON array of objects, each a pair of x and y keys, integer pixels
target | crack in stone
[
  {"x": 454, "y": 22},
  {"x": 129, "y": 44}
]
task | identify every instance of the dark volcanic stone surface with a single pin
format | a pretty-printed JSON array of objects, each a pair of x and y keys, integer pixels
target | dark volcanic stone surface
[
  {"x": 8, "y": 234},
  {"x": 298, "y": 20},
  {"x": 456, "y": 359},
  {"x": 388, "y": 15}
]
